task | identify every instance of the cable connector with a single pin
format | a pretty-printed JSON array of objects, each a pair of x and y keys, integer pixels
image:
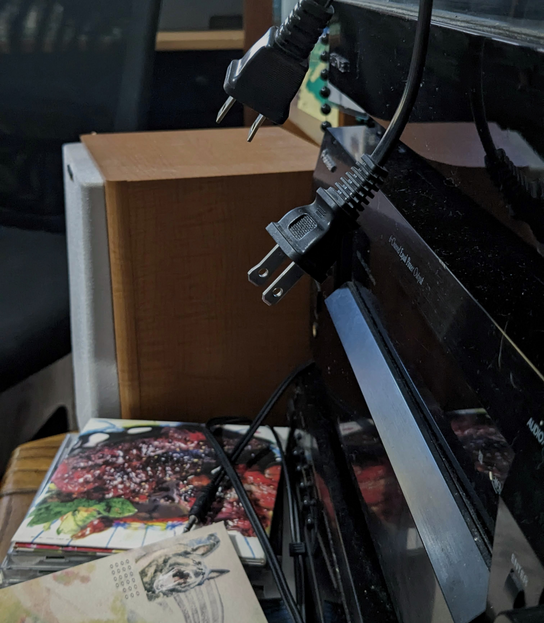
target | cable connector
[
  {"x": 311, "y": 236},
  {"x": 269, "y": 75},
  {"x": 297, "y": 549},
  {"x": 524, "y": 196},
  {"x": 202, "y": 504}
]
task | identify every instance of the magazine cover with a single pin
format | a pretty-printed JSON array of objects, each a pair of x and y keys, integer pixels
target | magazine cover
[
  {"x": 128, "y": 483},
  {"x": 195, "y": 578}
]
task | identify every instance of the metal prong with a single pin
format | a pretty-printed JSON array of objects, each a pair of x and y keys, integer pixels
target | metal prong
[
  {"x": 275, "y": 292},
  {"x": 225, "y": 109},
  {"x": 254, "y": 128},
  {"x": 262, "y": 272}
]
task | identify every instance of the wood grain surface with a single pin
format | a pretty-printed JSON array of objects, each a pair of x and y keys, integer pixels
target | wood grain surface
[
  {"x": 173, "y": 41},
  {"x": 202, "y": 154},
  {"x": 187, "y": 213},
  {"x": 24, "y": 475}
]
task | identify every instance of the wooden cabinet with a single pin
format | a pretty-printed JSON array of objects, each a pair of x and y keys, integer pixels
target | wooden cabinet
[{"x": 186, "y": 214}]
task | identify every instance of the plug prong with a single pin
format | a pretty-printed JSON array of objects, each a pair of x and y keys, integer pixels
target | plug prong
[
  {"x": 223, "y": 112},
  {"x": 262, "y": 271},
  {"x": 255, "y": 127},
  {"x": 277, "y": 290}
]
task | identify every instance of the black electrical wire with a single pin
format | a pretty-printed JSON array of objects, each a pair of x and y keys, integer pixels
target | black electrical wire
[
  {"x": 294, "y": 525},
  {"x": 267, "y": 408},
  {"x": 524, "y": 196},
  {"x": 202, "y": 504},
  {"x": 411, "y": 89},
  {"x": 314, "y": 248},
  {"x": 357, "y": 187},
  {"x": 275, "y": 567},
  {"x": 477, "y": 104}
]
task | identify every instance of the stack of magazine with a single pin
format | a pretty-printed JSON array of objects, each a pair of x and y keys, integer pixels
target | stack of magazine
[
  {"x": 196, "y": 577},
  {"x": 124, "y": 484}
]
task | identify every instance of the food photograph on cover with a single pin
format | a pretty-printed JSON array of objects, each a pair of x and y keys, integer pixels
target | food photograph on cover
[{"x": 128, "y": 483}]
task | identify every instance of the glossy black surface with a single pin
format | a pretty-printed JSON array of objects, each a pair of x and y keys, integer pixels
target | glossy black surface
[
  {"x": 517, "y": 575},
  {"x": 468, "y": 57},
  {"x": 523, "y": 493},
  {"x": 448, "y": 264},
  {"x": 337, "y": 531},
  {"x": 472, "y": 376},
  {"x": 378, "y": 45},
  {"x": 407, "y": 568},
  {"x": 439, "y": 277}
]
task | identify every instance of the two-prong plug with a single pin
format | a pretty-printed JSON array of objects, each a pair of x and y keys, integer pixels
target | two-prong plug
[
  {"x": 269, "y": 75},
  {"x": 311, "y": 236}
]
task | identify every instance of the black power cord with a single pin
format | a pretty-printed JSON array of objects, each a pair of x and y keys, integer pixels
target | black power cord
[
  {"x": 525, "y": 197},
  {"x": 297, "y": 548},
  {"x": 275, "y": 566},
  {"x": 411, "y": 89},
  {"x": 202, "y": 504},
  {"x": 219, "y": 422},
  {"x": 270, "y": 73},
  {"x": 294, "y": 526},
  {"x": 310, "y": 237}
]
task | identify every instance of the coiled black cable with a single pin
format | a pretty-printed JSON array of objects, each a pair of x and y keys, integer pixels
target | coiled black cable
[
  {"x": 202, "y": 504},
  {"x": 273, "y": 563},
  {"x": 294, "y": 524}
]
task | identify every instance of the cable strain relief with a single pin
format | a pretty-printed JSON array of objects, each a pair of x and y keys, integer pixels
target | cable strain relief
[
  {"x": 511, "y": 180},
  {"x": 301, "y": 30},
  {"x": 297, "y": 549},
  {"x": 361, "y": 182}
]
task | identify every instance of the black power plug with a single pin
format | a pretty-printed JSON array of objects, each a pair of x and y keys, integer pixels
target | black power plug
[
  {"x": 269, "y": 75},
  {"x": 311, "y": 236},
  {"x": 266, "y": 78}
]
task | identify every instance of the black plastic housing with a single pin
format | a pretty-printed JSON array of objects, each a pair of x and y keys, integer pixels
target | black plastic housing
[
  {"x": 311, "y": 235},
  {"x": 266, "y": 79}
]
